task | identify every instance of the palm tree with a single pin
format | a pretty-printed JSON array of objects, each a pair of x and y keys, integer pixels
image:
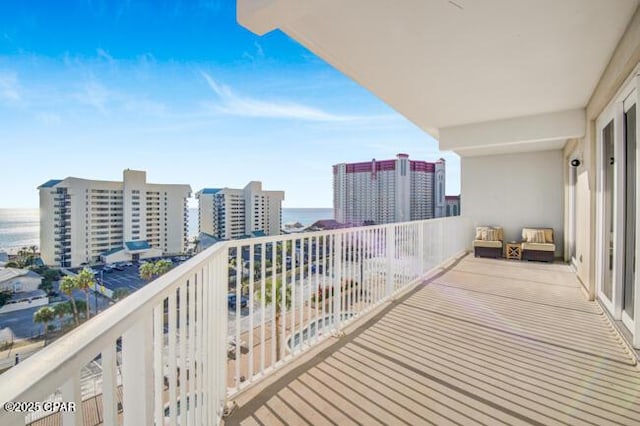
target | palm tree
[
  {"x": 61, "y": 310},
  {"x": 161, "y": 267},
  {"x": 85, "y": 281},
  {"x": 44, "y": 316},
  {"x": 147, "y": 271},
  {"x": 274, "y": 295},
  {"x": 82, "y": 306},
  {"x": 67, "y": 285},
  {"x": 120, "y": 293}
]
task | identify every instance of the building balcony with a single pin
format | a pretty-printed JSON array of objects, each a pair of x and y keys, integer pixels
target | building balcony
[{"x": 389, "y": 324}]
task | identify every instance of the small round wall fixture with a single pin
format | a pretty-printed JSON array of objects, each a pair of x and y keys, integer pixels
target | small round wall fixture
[{"x": 575, "y": 162}]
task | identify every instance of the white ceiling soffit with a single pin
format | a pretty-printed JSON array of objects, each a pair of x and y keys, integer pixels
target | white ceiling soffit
[{"x": 447, "y": 63}]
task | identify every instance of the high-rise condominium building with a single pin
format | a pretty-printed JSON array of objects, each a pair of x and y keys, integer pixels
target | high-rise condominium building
[
  {"x": 83, "y": 221},
  {"x": 389, "y": 191},
  {"x": 229, "y": 214}
]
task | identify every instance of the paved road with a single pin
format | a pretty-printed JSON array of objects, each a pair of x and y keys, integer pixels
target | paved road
[{"x": 21, "y": 322}]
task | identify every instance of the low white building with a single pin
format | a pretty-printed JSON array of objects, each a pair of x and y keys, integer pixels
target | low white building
[
  {"x": 17, "y": 280},
  {"x": 23, "y": 285}
]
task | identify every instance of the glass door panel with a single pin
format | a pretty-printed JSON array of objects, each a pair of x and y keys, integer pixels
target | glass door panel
[
  {"x": 609, "y": 191},
  {"x": 630, "y": 211}
]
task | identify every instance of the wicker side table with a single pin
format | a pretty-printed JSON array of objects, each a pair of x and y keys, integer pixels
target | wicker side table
[{"x": 514, "y": 250}]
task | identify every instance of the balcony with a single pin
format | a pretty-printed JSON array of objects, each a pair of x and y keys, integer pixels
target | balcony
[
  {"x": 156, "y": 354},
  {"x": 409, "y": 330}
]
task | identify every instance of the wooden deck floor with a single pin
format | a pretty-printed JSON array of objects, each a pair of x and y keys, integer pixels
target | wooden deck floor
[{"x": 486, "y": 342}]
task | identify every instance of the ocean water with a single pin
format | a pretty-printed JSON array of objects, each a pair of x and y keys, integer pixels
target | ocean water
[
  {"x": 21, "y": 227},
  {"x": 306, "y": 216}
]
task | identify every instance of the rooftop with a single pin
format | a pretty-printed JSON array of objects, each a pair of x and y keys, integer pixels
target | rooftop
[
  {"x": 137, "y": 245},
  {"x": 11, "y": 273},
  {"x": 50, "y": 183},
  {"x": 210, "y": 190}
]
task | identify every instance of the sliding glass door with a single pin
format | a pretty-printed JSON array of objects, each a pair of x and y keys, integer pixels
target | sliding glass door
[
  {"x": 609, "y": 188},
  {"x": 630, "y": 145},
  {"x": 617, "y": 238}
]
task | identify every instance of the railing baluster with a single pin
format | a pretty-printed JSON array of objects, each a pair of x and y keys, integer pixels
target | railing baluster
[
  {"x": 109, "y": 384},
  {"x": 309, "y": 287},
  {"x": 71, "y": 391},
  {"x": 251, "y": 303},
  {"x": 274, "y": 305},
  {"x": 294, "y": 313},
  {"x": 313, "y": 287},
  {"x": 238, "y": 348},
  {"x": 284, "y": 302},
  {"x": 348, "y": 281},
  {"x": 359, "y": 271},
  {"x": 203, "y": 391},
  {"x": 158, "y": 365},
  {"x": 323, "y": 283},
  {"x": 182, "y": 342},
  {"x": 218, "y": 273},
  {"x": 337, "y": 282},
  {"x": 200, "y": 332},
  {"x": 302, "y": 301},
  {"x": 137, "y": 373},
  {"x": 390, "y": 246},
  {"x": 191, "y": 295},
  {"x": 263, "y": 311},
  {"x": 172, "y": 376}
]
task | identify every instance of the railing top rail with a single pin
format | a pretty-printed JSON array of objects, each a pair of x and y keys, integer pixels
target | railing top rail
[{"x": 47, "y": 369}]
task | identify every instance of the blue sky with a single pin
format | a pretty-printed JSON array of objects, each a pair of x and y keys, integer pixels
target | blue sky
[{"x": 179, "y": 89}]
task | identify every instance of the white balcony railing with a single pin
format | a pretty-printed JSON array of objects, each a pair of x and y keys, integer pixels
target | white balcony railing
[{"x": 184, "y": 338}]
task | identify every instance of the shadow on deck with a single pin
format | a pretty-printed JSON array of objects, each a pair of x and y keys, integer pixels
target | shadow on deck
[{"x": 485, "y": 342}]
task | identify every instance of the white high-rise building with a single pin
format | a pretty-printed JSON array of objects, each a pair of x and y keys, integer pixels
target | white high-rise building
[
  {"x": 389, "y": 191},
  {"x": 83, "y": 221},
  {"x": 227, "y": 213}
]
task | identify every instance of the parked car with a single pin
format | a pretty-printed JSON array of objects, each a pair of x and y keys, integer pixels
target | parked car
[
  {"x": 107, "y": 269},
  {"x": 231, "y": 301},
  {"x": 119, "y": 267}
]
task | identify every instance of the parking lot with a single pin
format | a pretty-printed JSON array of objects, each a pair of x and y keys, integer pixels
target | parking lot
[{"x": 127, "y": 278}]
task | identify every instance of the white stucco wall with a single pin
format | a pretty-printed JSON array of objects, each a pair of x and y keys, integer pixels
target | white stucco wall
[
  {"x": 515, "y": 191},
  {"x": 24, "y": 282}
]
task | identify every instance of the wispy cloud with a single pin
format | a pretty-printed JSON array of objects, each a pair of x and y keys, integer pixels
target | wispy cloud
[
  {"x": 94, "y": 94},
  {"x": 105, "y": 55},
  {"x": 234, "y": 104},
  {"x": 257, "y": 55},
  {"x": 48, "y": 118},
  {"x": 10, "y": 87}
]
